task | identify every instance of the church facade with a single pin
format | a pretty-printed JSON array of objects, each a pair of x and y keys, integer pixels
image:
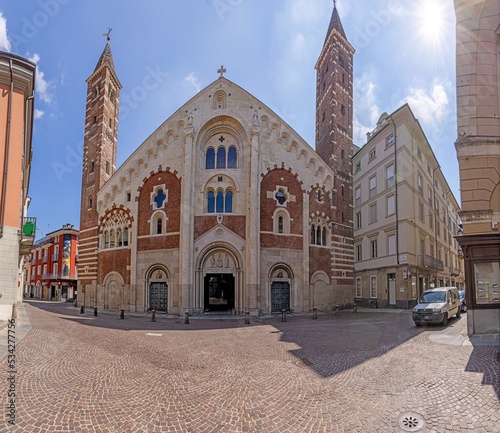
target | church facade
[{"x": 224, "y": 207}]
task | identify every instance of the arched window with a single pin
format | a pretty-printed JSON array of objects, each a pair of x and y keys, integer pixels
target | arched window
[
  {"x": 228, "y": 205},
  {"x": 107, "y": 167},
  {"x": 158, "y": 220},
  {"x": 280, "y": 224},
  {"x": 210, "y": 159},
  {"x": 323, "y": 237},
  {"x": 112, "y": 239},
  {"x": 210, "y": 202},
  {"x": 119, "y": 238},
  {"x": 219, "y": 204},
  {"x": 221, "y": 157},
  {"x": 313, "y": 235},
  {"x": 318, "y": 235},
  {"x": 232, "y": 159},
  {"x": 125, "y": 237},
  {"x": 106, "y": 239},
  {"x": 90, "y": 202}
]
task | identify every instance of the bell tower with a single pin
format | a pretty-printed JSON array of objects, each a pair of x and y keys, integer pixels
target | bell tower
[
  {"x": 99, "y": 164},
  {"x": 334, "y": 132}
]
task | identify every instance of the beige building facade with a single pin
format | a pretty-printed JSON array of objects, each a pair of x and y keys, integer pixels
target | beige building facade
[
  {"x": 478, "y": 153},
  {"x": 405, "y": 217},
  {"x": 17, "y": 231}
]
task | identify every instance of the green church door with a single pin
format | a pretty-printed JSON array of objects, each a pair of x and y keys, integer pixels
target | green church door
[
  {"x": 280, "y": 296},
  {"x": 158, "y": 296}
]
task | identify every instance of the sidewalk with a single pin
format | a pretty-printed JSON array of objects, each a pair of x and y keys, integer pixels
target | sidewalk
[{"x": 22, "y": 326}]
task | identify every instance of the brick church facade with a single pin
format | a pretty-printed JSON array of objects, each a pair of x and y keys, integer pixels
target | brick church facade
[{"x": 224, "y": 207}]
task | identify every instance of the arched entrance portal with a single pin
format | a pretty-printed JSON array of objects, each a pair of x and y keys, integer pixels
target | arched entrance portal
[
  {"x": 157, "y": 290},
  {"x": 220, "y": 281},
  {"x": 281, "y": 293}
]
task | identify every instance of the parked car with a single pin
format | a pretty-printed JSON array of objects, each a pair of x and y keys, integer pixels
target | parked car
[
  {"x": 437, "y": 306},
  {"x": 462, "y": 300}
]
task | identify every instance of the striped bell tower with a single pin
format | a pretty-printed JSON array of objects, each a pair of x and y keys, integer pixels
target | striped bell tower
[
  {"x": 99, "y": 164},
  {"x": 334, "y": 132}
]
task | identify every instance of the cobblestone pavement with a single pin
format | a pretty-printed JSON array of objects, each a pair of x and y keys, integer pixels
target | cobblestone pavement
[{"x": 366, "y": 372}]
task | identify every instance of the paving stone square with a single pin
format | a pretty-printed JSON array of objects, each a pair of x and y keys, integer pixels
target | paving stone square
[{"x": 371, "y": 371}]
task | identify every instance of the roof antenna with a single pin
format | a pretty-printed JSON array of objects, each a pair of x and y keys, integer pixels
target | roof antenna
[{"x": 108, "y": 34}]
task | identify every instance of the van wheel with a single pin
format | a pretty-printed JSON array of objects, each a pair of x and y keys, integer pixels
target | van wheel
[
  {"x": 459, "y": 313},
  {"x": 445, "y": 319}
]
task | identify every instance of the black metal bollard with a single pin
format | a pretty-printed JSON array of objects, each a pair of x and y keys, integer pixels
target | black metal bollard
[
  {"x": 186, "y": 318},
  {"x": 247, "y": 317},
  {"x": 122, "y": 314},
  {"x": 95, "y": 311},
  {"x": 82, "y": 309},
  {"x": 153, "y": 316},
  {"x": 283, "y": 315},
  {"x": 315, "y": 313}
]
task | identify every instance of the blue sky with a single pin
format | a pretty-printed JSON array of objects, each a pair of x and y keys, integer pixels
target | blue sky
[{"x": 405, "y": 52}]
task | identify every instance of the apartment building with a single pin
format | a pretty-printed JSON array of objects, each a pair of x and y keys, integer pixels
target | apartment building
[
  {"x": 52, "y": 273},
  {"x": 17, "y": 231},
  {"x": 405, "y": 216}
]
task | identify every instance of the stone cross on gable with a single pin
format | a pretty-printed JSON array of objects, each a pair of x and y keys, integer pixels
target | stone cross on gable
[{"x": 222, "y": 71}]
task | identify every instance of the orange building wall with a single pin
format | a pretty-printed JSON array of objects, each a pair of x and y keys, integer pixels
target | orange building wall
[{"x": 15, "y": 173}]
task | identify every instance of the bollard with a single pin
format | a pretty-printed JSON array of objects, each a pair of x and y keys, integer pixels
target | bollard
[
  {"x": 315, "y": 313},
  {"x": 82, "y": 309},
  {"x": 122, "y": 314},
  {"x": 283, "y": 315},
  {"x": 186, "y": 318},
  {"x": 247, "y": 317},
  {"x": 95, "y": 311},
  {"x": 337, "y": 312},
  {"x": 355, "y": 308},
  {"x": 153, "y": 316}
]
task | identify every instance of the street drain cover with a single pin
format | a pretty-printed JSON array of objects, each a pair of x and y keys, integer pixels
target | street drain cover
[
  {"x": 411, "y": 421},
  {"x": 303, "y": 362}
]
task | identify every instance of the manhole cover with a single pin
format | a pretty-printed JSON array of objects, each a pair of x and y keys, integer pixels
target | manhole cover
[
  {"x": 302, "y": 362},
  {"x": 411, "y": 421}
]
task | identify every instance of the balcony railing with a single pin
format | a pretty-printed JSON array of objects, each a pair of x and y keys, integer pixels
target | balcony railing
[
  {"x": 454, "y": 272},
  {"x": 59, "y": 276},
  {"x": 431, "y": 262},
  {"x": 28, "y": 232}
]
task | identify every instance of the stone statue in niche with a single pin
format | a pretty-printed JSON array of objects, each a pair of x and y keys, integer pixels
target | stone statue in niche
[
  {"x": 255, "y": 121},
  {"x": 190, "y": 119}
]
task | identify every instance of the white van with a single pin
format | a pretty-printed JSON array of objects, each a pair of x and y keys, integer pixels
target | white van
[{"x": 437, "y": 306}]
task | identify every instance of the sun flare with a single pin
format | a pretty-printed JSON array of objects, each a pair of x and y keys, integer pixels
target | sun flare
[{"x": 432, "y": 19}]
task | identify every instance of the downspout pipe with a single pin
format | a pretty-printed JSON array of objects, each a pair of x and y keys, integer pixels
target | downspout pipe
[
  {"x": 5, "y": 170},
  {"x": 396, "y": 188}
]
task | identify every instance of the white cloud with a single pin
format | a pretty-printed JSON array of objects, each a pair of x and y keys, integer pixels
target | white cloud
[
  {"x": 38, "y": 113},
  {"x": 367, "y": 111},
  {"x": 192, "y": 81},
  {"x": 429, "y": 106},
  {"x": 43, "y": 87},
  {"x": 4, "y": 40}
]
